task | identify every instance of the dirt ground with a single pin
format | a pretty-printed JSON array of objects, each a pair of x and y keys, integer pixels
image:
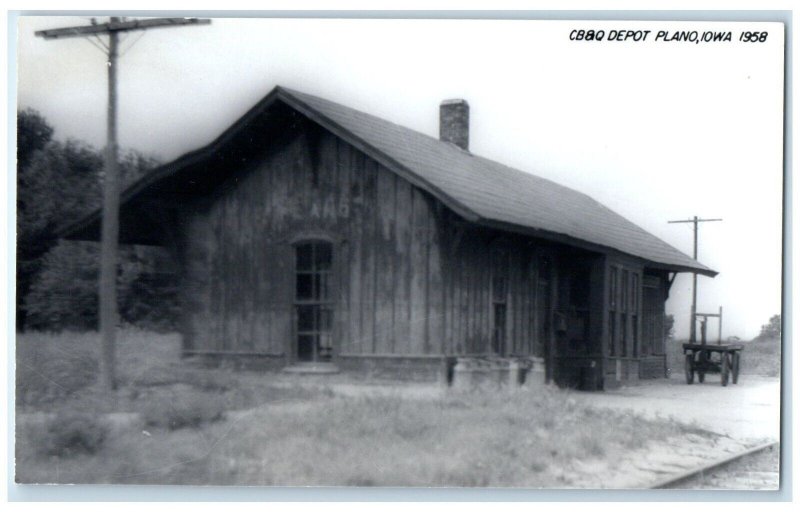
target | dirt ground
[
  {"x": 748, "y": 411},
  {"x": 758, "y": 472}
]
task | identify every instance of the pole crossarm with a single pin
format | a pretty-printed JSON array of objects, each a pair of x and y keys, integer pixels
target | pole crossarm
[
  {"x": 119, "y": 26},
  {"x": 692, "y": 220}
]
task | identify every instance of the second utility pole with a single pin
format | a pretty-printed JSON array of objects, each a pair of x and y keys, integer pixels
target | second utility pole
[
  {"x": 110, "y": 225},
  {"x": 693, "y": 324}
]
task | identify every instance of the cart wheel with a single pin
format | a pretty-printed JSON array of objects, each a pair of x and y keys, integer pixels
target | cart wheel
[
  {"x": 724, "y": 369},
  {"x": 689, "y": 368},
  {"x": 735, "y": 376},
  {"x": 701, "y": 377}
]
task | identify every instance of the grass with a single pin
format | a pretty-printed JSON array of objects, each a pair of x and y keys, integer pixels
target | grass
[
  {"x": 762, "y": 357},
  {"x": 270, "y": 434}
]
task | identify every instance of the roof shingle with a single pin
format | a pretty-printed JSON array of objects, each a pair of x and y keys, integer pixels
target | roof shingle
[{"x": 495, "y": 192}]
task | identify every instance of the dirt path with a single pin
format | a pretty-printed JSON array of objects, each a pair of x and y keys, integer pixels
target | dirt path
[
  {"x": 645, "y": 467},
  {"x": 748, "y": 411},
  {"x": 758, "y": 472}
]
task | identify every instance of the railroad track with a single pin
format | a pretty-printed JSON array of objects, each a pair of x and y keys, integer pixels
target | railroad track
[{"x": 755, "y": 469}]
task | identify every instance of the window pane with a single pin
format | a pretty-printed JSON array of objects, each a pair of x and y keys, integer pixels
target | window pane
[
  {"x": 623, "y": 328},
  {"x": 304, "y": 257},
  {"x": 323, "y": 256},
  {"x": 323, "y": 287},
  {"x": 304, "y": 286},
  {"x": 306, "y": 318},
  {"x": 612, "y": 334}
]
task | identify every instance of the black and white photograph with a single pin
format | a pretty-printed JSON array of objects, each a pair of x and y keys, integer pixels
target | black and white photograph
[{"x": 384, "y": 252}]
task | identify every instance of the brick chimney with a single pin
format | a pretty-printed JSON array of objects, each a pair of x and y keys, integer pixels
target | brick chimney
[{"x": 454, "y": 122}]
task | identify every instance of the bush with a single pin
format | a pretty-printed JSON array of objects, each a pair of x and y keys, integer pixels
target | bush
[
  {"x": 64, "y": 293},
  {"x": 73, "y": 432},
  {"x": 771, "y": 330},
  {"x": 762, "y": 357},
  {"x": 186, "y": 409}
]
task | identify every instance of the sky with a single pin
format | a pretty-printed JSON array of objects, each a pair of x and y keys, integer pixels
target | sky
[{"x": 655, "y": 130}]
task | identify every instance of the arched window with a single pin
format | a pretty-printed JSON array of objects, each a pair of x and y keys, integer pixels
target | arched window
[{"x": 314, "y": 300}]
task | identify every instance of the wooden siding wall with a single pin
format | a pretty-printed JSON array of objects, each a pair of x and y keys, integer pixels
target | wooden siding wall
[
  {"x": 237, "y": 247},
  {"x": 623, "y": 308},
  {"x": 469, "y": 315},
  {"x": 469, "y": 322},
  {"x": 411, "y": 277},
  {"x": 653, "y": 313}
]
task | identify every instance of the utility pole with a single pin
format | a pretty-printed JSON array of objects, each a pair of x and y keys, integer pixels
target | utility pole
[
  {"x": 110, "y": 225},
  {"x": 692, "y": 325}
]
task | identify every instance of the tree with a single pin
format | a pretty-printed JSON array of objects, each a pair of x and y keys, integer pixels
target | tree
[
  {"x": 771, "y": 330},
  {"x": 33, "y": 134},
  {"x": 57, "y": 183}
]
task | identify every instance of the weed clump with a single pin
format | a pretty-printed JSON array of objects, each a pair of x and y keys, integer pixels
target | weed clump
[
  {"x": 189, "y": 410},
  {"x": 71, "y": 433}
]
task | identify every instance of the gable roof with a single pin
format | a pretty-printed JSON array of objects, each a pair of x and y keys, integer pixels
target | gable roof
[{"x": 479, "y": 189}]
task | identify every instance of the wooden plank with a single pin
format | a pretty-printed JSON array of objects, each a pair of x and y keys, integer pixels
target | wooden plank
[
  {"x": 251, "y": 257},
  {"x": 341, "y": 192},
  {"x": 368, "y": 266},
  {"x": 435, "y": 284},
  {"x": 473, "y": 321},
  {"x": 512, "y": 321},
  {"x": 221, "y": 276},
  {"x": 482, "y": 299},
  {"x": 429, "y": 312},
  {"x": 417, "y": 255},
  {"x": 328, "y": 178},
  {"x": 281, "y": 290},
  {"x": 402, "y": 282},
  {"x": 230, "y": 276},
  {"x": 457, "y": 300},
  {"x": 355, "y": 206},
  {"x": 464, "y": 285},
  {"x": 446, "y": 265},
  {"x": 384, "y": 260},
  {"x": 520, "y": 343}
]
